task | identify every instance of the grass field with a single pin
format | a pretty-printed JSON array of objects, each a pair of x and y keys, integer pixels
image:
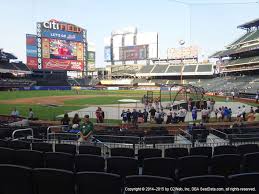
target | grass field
[{"x": 46, "y": 111}]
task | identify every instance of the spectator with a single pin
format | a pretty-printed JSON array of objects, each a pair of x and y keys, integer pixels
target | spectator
[
  {"x": 145, "y": 115},
  {"x": 140, "y": 117},
  {"x": 99, "y": 115},
  {"x": 129, "y": 116},
  {"x": 152, "y": 114},
  {"x": 230, "y": 115},
  {"x": 15, "y": 113},
  {"x": 175, "y": 118},
  {"x": 250, "y": 116},
  {"x": 102, "y": 116},
  {"x": 194, "y": 113},
  {"x": 31, "y": 114},
  {"x": 158, "y": 117},
  {"x": 252, "y": 110},
  {"x": 257, "y": 114},
  {"x": 233, "y": 95},
  {"x": 65, "y": 120},
  {"x": 163, "y": 115},
  {"x": 124, "y": 116},
  {"x": 134, "y": 115},
  {"x": 182, "y": 114},
  {"x": 244, "y": 113},
  {"x": 212, "y": 104},
  {"x": 216, "y": 114},
  {"x": 256, "y": 98},
  {"x": 239, "y": 114},
  {"x": 76, "y": 120},
  {"x": 86, "y": 129},
  {"x": 169, "y": 118},
  {"x": 208, "y": 115},
  {"x": 204, "y": 115},
  {"x": 226, "y": 114}
]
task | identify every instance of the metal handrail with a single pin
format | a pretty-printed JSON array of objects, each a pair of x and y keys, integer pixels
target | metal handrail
[
  {"x": 54, "y": 126},
  {"x": 219, "y": 132},
  {"x": 18, "y": 130},
  {"x": 185, "y": 132}
]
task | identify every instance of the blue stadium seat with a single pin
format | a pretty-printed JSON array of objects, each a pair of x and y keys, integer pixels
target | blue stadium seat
[
  {"x": 15, "y": 179},
  {"x": 18, "y": 144},
  {"x": 66, "y": 148},
  {"x": 164, "y": 167},
  {"x": 53, "y": 181},
  {"x": 88, "y": 149},
  {"x": 148, "y": 153},
  {"x": 225, "y": 164},
  {"x": 3, "y": 143},
  {"x": 125, "y": 152},
  {"x": 122, "y": 166},
  {"x": 29, "y": 158},
  {"x": 245, "y": 180},
  {"x": 251, "y": 162},
  {"x": 176, "y": 152},
  {"x": 226, "y": 149},
  {"x": 42, "y": 146},
  {"x": 146, "y": 181},
  {"x": 87, "y": 162},
  {"x": 59, "y": 160},
  {"x": 205, "y": 181},
  {"x": 193, "y": 166},
  {"x": 7, "y": 155},
  {"x": 247, "y": 148},
  {"x": 202, "y": 151},
  {"x": 98, "y": 183}
]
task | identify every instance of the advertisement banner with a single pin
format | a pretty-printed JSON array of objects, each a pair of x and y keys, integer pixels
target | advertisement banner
[
  {"x": 91, "y": 56},
  {"x": 31, "y": 39},
  {"x": 128, "y": 53},
  {"x": 31, "y": 51},
  {"x": 31, "y": 45},
  {"x": 32, "y": 62},
  {"x": 45, "y": 48},
  {"x": 59, "y": 64},
  {"x": 107, "y": 53},
  {"x": 64, "y": 35},
  {"x": 80, "y": 51}
]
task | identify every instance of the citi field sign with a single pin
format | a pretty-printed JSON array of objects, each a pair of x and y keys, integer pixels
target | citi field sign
[{"x": 57, "y": 46}]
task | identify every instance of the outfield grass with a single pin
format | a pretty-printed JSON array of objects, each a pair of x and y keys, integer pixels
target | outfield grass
[
  {"x": 98, "y": 100},
  {"x": 95, "y": 97},
  {"x": 6, "y": 95},
  {"x": 42, "y": 112},
  {"x": 49, "y": 113}
]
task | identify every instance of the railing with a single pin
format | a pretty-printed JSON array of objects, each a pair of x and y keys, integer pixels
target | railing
[
  {"x": 55, "y": 127},
  {"x": 19, "y": 130},
  {"x": 218, "y": 133}
]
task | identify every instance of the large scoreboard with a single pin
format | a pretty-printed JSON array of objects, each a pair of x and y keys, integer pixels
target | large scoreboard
[{"x": 57, "y": 46}]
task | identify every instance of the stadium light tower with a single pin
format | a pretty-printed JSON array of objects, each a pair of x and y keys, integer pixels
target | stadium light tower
[{"x": 181, "y": 42}]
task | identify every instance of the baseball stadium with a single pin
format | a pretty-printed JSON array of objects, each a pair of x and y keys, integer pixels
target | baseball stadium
[{"x": 142, "y": 123}]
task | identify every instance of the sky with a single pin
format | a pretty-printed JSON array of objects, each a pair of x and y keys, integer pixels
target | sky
[{"x": 204, "y": 23}]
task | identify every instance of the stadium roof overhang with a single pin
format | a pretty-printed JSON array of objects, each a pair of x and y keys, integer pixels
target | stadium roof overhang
[
  {"x": 14, "y": 71},
  {"x": 226, "y": 53},
  {"x": 247, "y": 25}
]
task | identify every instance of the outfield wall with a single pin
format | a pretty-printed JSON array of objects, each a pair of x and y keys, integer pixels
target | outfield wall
[{"x": 47, "y": 88}]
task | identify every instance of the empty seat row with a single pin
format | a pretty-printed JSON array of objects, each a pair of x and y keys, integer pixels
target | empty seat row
[
  {"x": 18, "y": 179},
  {"x": 129, "y": 152},
  {"x": 225, "y": 164},
  {"x": 47, "y": 147}
]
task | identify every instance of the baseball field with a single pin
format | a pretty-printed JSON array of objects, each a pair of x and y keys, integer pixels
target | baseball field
[{"x": 47, "y": 105}]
